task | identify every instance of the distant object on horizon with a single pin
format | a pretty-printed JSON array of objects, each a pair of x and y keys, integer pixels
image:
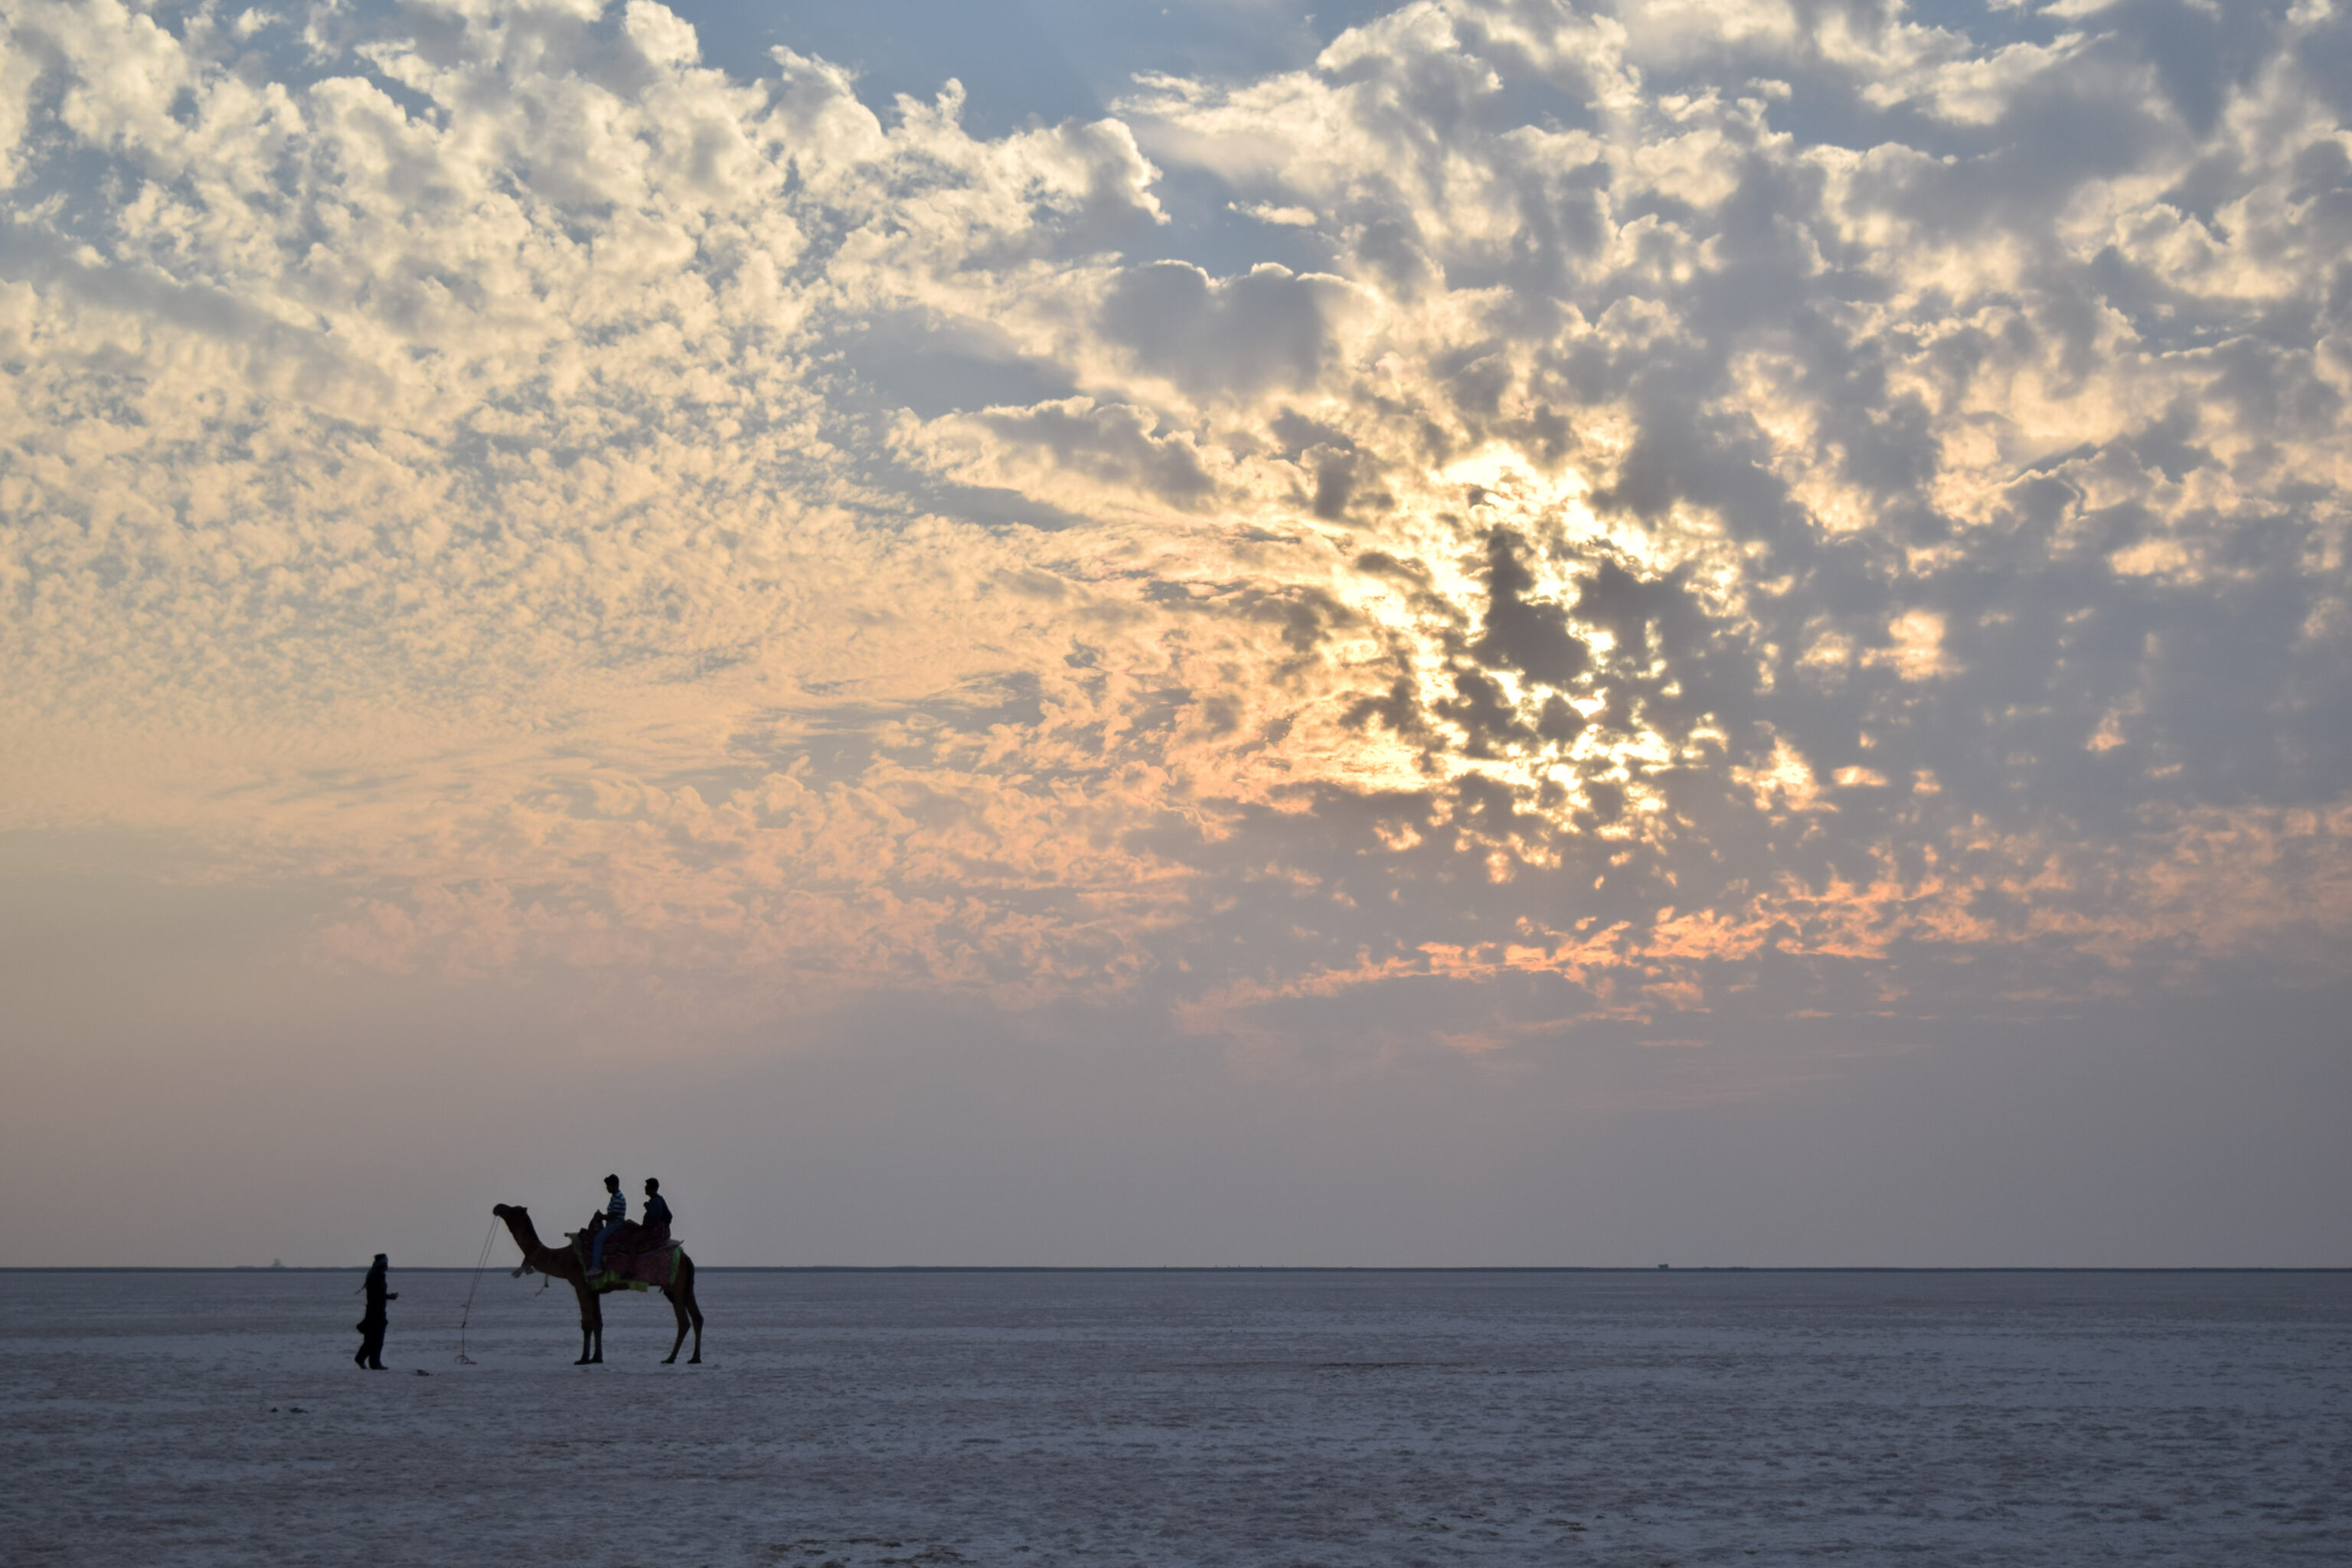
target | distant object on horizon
[
  {"x": 1665, "y": 1266},
  {"x": 274, "y": 1263}
]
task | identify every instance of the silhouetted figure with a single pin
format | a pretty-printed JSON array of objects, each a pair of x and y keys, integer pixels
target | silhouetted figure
[
  {"x": 617, "y": 1213},
  {"x": 373, "y": 1323},
  {"x": 655, "y": 1231}
]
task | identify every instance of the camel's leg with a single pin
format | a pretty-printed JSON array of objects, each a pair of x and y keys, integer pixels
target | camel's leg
[
  {"x": 683, "y": 1303},
  {"x": 592, "y": 1323},
  {"x": 597, "y": 1305}
]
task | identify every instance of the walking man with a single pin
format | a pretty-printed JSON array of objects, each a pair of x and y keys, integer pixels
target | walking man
[{"x": 373, "y": 1324}]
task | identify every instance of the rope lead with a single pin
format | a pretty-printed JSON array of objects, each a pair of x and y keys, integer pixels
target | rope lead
[{"x": 488, "y": 1239}]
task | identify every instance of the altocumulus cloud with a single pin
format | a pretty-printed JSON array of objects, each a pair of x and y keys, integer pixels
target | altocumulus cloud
[{"x": 1748, "y": 509}]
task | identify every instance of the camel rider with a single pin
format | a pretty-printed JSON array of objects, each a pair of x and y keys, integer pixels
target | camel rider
[
  {"x": 655, "y": 1224},
  {"x": 617, "y": 1214}
]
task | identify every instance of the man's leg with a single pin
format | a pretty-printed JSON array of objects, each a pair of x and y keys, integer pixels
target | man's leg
[{"x": 372, "y": 1350}]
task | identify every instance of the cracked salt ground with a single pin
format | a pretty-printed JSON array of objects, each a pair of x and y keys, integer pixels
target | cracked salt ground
[{"x": 851, "y": 1419}]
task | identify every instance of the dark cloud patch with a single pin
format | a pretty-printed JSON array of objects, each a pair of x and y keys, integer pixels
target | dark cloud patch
[
  {"x": 2167, "y": 442},
  {"x": 2199, "y": 52},
  {"x": 1390, "y": 250},
  {"x": 1116, "y": 442},
  {"x": 937, "y": 367},
  {"x": 1398, "y": 709},
  {"x": 1298, "y": 434},
  {"x": 1306, "y": 615},
  {"x": 1265, "y": 329},
  {"x": 1558, "y": 722},
  {"x": 1490, "y": 723},
  {"x": 1530, "y": 636},
  {"x": 2324, "y": 52},
  {"x": 1335, "y": 483},
  {"x": 1337, "y": 466}
]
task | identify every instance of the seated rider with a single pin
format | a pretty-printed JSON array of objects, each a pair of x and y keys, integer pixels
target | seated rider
[
  {"x": 655, "y": 1231},
  {"x": 617, "y": 1213}
]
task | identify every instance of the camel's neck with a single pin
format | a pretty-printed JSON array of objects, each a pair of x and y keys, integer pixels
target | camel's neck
[{"x": 535, "y": 1252}]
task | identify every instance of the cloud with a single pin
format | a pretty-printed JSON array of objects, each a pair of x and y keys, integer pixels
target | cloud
[{"x": 1788, "y": 509}]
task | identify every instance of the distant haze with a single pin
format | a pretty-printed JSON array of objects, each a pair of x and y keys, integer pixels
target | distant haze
[{"x": 1486, "y": 633}]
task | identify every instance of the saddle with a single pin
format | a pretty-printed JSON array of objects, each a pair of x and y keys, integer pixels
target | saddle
[
  {"x": 621, "y": 1240},
  {"x": 634, "y": 1255},
  {"x": 645, "y": 1269}
]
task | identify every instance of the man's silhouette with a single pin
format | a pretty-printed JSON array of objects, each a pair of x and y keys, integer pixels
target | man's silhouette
[
  {"x": 374, "y": 1322},
  {"x": 656, "y": 1229},
  {"x": 616, "y": 1212}
]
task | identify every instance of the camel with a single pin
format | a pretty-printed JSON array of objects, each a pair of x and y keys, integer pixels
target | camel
[{"x": 563, "y": 1263}]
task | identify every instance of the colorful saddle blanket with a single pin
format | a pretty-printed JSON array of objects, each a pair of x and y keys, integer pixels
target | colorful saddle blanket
[{"x": 650, "y": 1270}]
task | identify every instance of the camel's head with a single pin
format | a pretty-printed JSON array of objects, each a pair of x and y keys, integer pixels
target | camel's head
[{"x": 518, "y": 1224}]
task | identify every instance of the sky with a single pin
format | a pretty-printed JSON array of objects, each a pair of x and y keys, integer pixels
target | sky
[{"x": 1486, "y": 632}]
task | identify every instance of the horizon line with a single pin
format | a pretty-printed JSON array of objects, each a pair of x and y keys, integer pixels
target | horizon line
[{"x": 1249, "y": 1269}]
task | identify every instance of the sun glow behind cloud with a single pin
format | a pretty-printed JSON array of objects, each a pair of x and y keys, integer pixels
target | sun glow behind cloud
[{"x": 1734, "y": 492}]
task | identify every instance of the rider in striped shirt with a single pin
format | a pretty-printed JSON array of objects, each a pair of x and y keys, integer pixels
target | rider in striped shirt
[{"x": 617, "y": 1210}]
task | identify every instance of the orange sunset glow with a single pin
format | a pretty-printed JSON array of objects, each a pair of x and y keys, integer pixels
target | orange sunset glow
[{"x": 1491, "y": 570}]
